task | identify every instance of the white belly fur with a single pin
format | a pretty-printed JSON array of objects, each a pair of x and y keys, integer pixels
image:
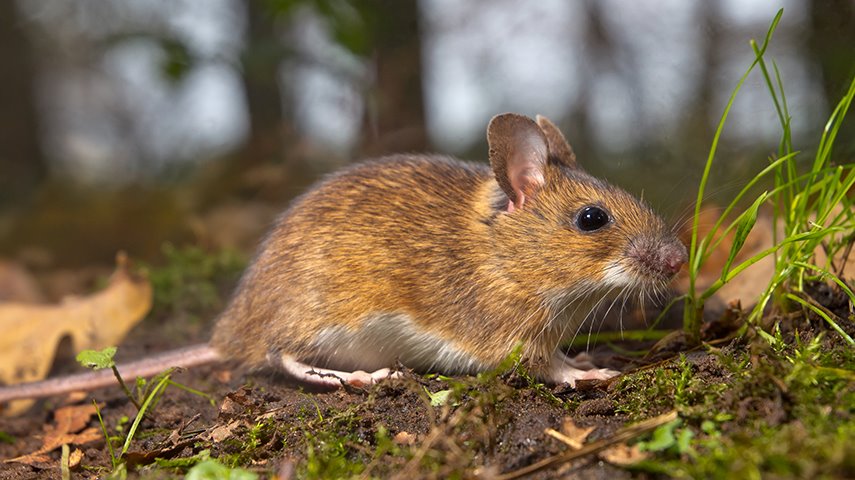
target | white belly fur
[{"x": 384, "y": 338}]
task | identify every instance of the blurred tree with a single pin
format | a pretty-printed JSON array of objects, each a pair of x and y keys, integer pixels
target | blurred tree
[
  {"x": 22, "y": 161},
  {"x": 394, "y": 113},
  {"x": 260, "y": 61},
  {"x": 599, "y": 55},
  {"x": 699, "y": 121},
  {"x": 832, "y": 47},
  {"x": 269, "y": 129},
  {"x": 385, "y": 34}
]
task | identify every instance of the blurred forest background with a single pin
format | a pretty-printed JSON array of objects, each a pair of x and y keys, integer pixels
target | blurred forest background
[{"x": 126, "y": 124}]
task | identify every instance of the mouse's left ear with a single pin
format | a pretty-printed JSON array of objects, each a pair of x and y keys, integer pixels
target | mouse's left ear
[{"x": 518, "y": 155}]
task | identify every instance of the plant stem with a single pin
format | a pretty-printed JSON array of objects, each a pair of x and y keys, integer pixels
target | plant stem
[{"x": 125, "y": 387}]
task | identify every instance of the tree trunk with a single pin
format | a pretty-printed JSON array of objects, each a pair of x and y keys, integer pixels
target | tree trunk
[
  {"x": 394, "y": 114},
  {"x": 260, "y": 61},
  {"x": 22, "y": 162},
  {"x": 831, "y": 41}
]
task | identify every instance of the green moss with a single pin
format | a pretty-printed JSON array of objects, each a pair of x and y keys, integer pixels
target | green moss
[
  {"x": 645, "y": 394},
  {"x": 790, "y": 414},
  {"x": 190, "y": 280}
]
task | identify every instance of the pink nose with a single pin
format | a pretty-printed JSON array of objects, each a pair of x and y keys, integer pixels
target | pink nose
[{"x": 672, "y": 257}]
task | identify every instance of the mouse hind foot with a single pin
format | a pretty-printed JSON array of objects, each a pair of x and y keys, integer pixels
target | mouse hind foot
[{"x": 327, "y": 378}]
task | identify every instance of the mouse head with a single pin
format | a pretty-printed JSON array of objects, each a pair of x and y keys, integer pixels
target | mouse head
[{"x": 563, "y": 232}]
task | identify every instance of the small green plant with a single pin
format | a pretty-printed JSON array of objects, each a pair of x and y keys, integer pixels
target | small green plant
[
  {"x": 439, "y": 398},
  {"x": 807, "y": 204},
  {"x": 143, "y": 389},
  {"x": 145, "y": 396},
  {"x": 184, "y": 463},
  {"x": 212, "y": 470},
  {"x": 669, "y": 437},
  {"x": 101, "y": 359}
]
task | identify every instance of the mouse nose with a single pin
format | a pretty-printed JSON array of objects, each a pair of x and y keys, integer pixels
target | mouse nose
[
  {"x": 662, "y": 257},
  {"x": 672, "y": 257}
]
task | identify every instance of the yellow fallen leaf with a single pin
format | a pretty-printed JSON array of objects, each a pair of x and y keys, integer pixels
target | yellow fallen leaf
[
  {"x": 571, "y": 434},
  {"x": 75, "y": 458},
  {"x": 32, "y": 333},
  {"x": 752, "y": 281}
]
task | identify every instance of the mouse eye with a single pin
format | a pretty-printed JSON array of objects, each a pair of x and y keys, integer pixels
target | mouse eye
[{"x": 592, "y": 218}]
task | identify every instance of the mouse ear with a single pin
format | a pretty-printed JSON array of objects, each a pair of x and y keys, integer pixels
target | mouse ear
[
  {"x": 559, "y": 149},
  {"x": 518, "y": 155}
]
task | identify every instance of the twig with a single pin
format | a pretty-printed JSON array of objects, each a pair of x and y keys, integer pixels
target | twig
[
  {"x": 627, "y": 433},
  {"x": 571, "y": 442}
]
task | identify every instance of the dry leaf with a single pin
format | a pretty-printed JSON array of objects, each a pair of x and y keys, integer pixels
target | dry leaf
[
  {"x": 73, "y": 418},
  {"x": 623, "y": 454},
  {"x": 404, "y": 438},
  {"x": 571, "y": 434},
  {"x": 32, "y": 333},
  {"x": 68, "y": 428},
  {"x": 751, "y": 282},
  {"x": 74, "y": 458},
  {"x": 54, "y": 440},
  {"x": 224, "y": 431},
  {"x": 574, "y": 432}
]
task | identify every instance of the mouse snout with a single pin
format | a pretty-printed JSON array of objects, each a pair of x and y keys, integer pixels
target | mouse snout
[
  {"x": 660, "y": 257},
  {"x": 673, "y": 256}
]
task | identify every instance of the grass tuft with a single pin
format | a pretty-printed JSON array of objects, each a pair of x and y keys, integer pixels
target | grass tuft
[{"x": 812, "y": 209}]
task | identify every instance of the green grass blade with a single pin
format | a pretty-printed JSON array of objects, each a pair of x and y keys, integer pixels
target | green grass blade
[
  {"x": 141, "y": 413},
  {"x": 829, "y": 134},
  {"x": 819, "y": 233},
  {"x": 744, "y": 226},
  {"x": 720, "y": 128},
  {"x": 732, "y": 205},
  {"x": 113, "y": 459},
  {"x": 691, "y": 319},
  {"x": 822, "y": 314},
  {"x": 829, "y": 276}
]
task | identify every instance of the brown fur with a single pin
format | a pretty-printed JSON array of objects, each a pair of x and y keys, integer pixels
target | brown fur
[{"x": 427, "y": 236}]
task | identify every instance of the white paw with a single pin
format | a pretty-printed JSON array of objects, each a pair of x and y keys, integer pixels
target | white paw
[
  {"x": 362, "y": 378},
  {"x": 565, "y": 369}
]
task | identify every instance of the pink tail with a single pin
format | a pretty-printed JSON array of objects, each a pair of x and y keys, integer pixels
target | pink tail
[{"x": 185, "y": 357}]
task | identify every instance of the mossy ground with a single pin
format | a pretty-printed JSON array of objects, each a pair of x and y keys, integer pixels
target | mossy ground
[{"x": 778, "y": 404}]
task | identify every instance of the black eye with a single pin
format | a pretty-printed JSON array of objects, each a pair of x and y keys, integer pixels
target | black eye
[{"x": 592, "y": 218}]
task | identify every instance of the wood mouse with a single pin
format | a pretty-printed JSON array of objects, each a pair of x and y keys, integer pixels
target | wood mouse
[{"x": 441, "y": 265}]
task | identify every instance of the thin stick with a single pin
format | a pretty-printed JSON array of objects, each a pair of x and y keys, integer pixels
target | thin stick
[{"x": 627, "y": 433}]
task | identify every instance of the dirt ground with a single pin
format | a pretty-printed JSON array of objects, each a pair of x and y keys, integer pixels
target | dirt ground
[{"x": 488, "y": 426}]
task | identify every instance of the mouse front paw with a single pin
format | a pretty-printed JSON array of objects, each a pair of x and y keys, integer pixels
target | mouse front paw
[
  {"x": 570, "y": 374},
  {"x": 566, "y": 369}
]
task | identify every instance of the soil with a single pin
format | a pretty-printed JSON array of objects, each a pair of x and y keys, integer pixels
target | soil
[{"x": 491, "y": 425}]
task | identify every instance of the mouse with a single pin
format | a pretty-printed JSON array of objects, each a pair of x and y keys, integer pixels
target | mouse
[{"x": 436, "y": 264}]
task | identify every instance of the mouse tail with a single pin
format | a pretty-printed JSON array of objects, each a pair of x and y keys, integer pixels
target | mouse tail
[{"x": 187, "y": 357}]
